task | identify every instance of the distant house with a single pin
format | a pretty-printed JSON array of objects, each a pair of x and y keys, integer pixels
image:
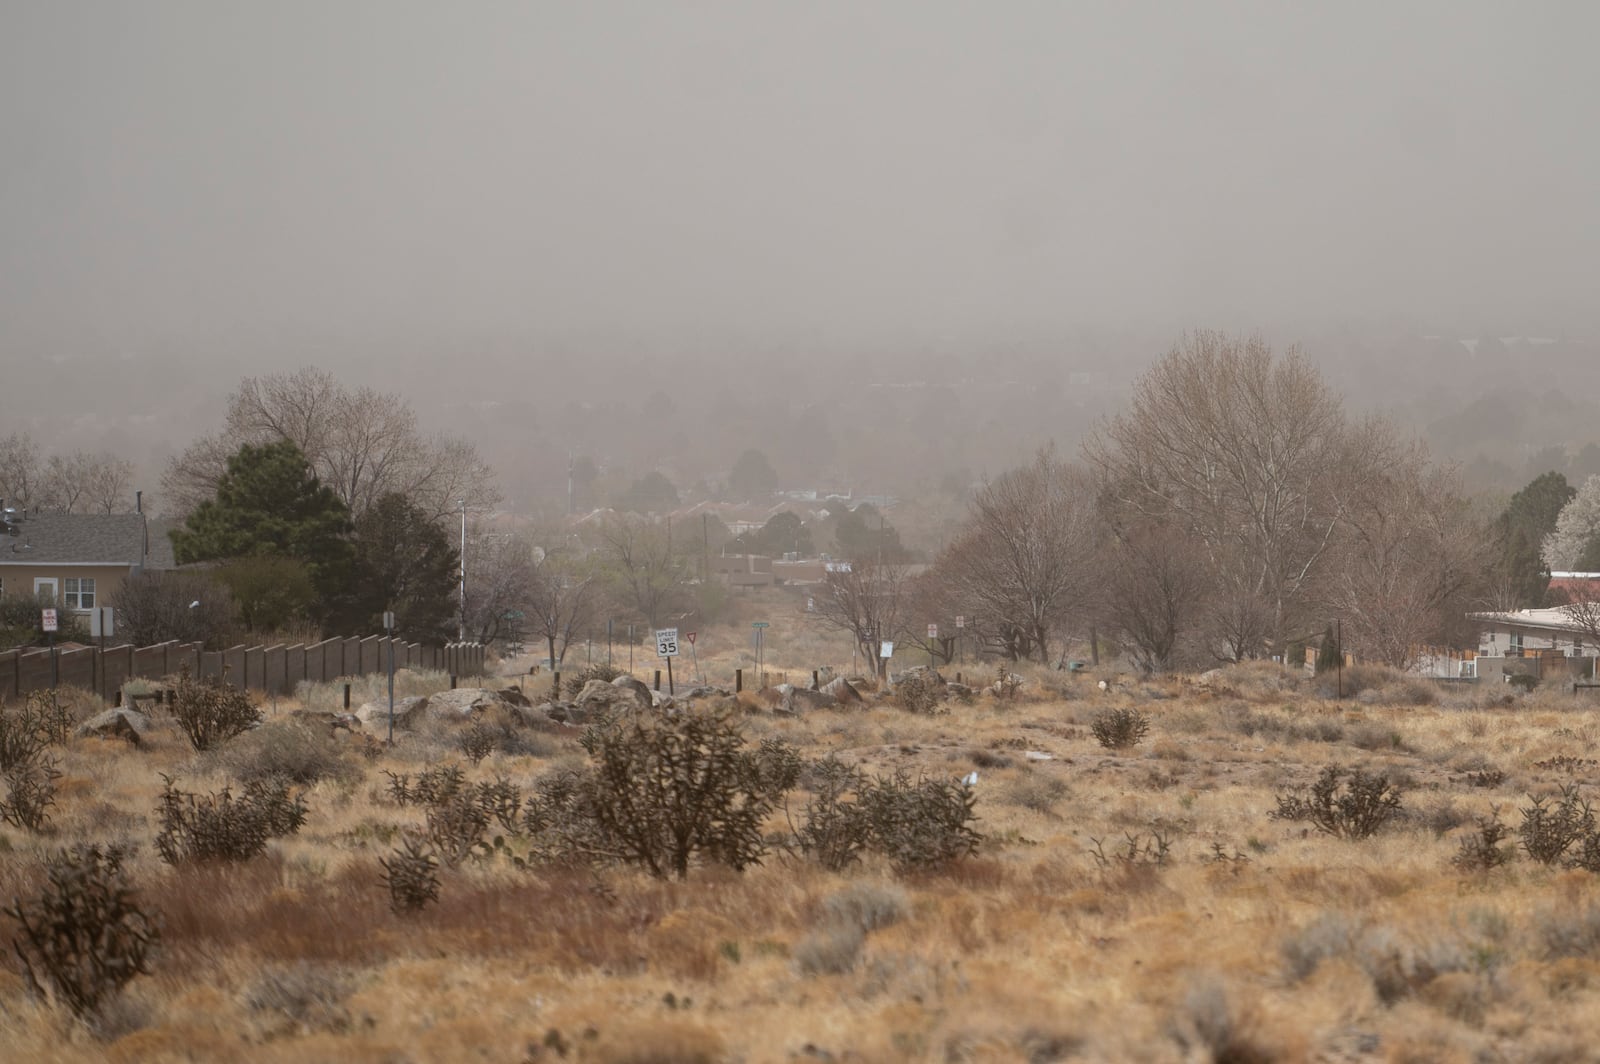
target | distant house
[
  {"x": 1576, "y": 587},
  {"x": 79, "y": 559},
  {"x": 1526, "y": 633}
]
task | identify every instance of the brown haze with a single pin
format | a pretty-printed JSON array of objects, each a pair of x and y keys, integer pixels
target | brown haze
[{"x": 658, "y": 234}]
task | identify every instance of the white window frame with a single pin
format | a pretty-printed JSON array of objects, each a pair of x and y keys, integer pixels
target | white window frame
[
  {"x": 78, "y": 593},
  {"x": 1515, "y": 646}
]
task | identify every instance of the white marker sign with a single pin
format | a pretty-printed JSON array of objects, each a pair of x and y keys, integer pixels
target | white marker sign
[
  {"x": 667, "y": 642},
  {"x": 48, "y": 622},
  {"x": 886, "y": 651},
  {"x": 933, "y": 631}
]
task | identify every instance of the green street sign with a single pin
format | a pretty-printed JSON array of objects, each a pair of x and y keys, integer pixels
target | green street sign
[{"x": 760, "y": 624}]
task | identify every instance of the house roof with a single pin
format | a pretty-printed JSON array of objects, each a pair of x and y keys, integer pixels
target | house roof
[
  {"x": 84, "y": 539},
  {"x": 1555, "y": 619}
]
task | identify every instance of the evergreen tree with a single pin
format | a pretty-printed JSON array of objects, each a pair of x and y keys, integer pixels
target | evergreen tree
[
  {"x": 269, "y": 504},
  {"x": 405, "y": 563}
]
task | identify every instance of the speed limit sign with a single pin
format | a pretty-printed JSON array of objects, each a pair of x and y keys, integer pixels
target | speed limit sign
[{"x": 667, "y": 642}]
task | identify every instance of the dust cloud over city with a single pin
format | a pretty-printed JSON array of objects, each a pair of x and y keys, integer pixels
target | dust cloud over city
[{"x": 889, "y": 245}]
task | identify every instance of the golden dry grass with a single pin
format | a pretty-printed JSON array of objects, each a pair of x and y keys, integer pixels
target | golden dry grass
[{"x": 1297, "y": 946}]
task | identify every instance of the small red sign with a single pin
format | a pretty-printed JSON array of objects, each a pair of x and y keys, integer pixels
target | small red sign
[{"x": 690, "y": 637}]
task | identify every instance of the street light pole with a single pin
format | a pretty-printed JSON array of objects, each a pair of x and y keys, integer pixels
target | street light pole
[{"x": 461, "y": 631}]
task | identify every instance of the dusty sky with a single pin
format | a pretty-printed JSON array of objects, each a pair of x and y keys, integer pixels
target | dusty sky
[{"x": 210, "y": 177}]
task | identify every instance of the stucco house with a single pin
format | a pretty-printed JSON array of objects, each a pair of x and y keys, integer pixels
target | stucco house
[{"x": 79, "y": 559}]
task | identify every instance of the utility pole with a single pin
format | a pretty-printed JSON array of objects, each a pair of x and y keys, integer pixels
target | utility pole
[{"x": 461, "y": 631}]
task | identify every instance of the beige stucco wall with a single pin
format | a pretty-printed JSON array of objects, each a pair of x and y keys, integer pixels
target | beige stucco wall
[{"x": 18, "y": 579}]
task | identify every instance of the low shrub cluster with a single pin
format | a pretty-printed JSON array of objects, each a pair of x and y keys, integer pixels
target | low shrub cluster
[
  {"x": 86, "y": 935},
  {"x": 1348, "y": 804},
  {"x": 1119, "y": 729},
  {"x": 223, "y": 827},
  {"x": 27, "y": 767},
  {"x": 211, "y": 712},
  {"x": 598, "y": 671},
  {"x": 922, "y": 691},
  {"x": 917, "y": 824}
]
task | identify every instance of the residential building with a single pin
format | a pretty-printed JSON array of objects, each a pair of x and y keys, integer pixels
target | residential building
[{"x": 79, "y": 559}]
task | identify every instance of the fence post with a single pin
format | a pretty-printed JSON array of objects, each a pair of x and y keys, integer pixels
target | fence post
[
  {"x": 738, "y": 680},
  {"x": 347, "y": 697},
  {"x": 555, "y": 687},
  {"x": 658, "y": 679}
]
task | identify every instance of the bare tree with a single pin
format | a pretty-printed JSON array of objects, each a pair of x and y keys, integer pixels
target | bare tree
[
  {"x": 501, "y": 574},
  {"x": 1234, "y": 447},
  {"x": 865, "y": 600},
  {"x": 561, "y": 598},
  {"x": 19, "y": 470},
  {"x": 646, "y": 574},
  {"x": 362, "y": 443},
  {"x": 1024, "y": 566},
  {"x": 1155, "y": 596}
]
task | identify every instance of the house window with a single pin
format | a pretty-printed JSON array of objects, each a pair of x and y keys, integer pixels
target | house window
[
  {"x": 78, "y": 592},
  {"x": 1516, "y": 645}
]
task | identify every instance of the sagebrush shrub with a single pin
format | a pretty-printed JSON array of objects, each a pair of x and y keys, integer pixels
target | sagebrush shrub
[
  {"x": 1348, "y": 804},
  {"x": 1118, "y": 729},
  {"x": 211, "y": 712},
  {"x": 86, "y": 936},
  {"x": 288, "y": 750},
  {"x": 921, "y": 692}
]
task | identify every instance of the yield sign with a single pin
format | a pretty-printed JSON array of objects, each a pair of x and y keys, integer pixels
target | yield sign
[{"x": 690, "y": 638}]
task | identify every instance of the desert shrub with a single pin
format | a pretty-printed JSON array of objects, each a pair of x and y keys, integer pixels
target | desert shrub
[
  {"x": 869, "y": 906},
  {"x": 832, "y": 949},
  {"x": 478, "y": 740},
  {"x": 301, "y": 998},
  {"x": 222, "y": 827},
  {"x": 51, "y": 714},
  {"x": 457, "y": 828},
  {"x": 500, "y": 800},
  {"x": 1373, "y": 737},
  {"x": 778, "y": 766},
  {"x": 1118, "y": 729},
  {"x": 433, "y": 786},
  {"x": 1482, "y": 850},
  {"x": 288, "y": 750},
  {"x": 921, "y": 692},
  {"x": 920, "y": 825},
  {"x": 1136, "y": 849},
  {"x": 411, "y": 874},
  {"x": 1568, "y": 932},
  {"x": 598, "y": 671},
  {"x": 210, "y": 713},
  {"x": 560, "y": 825},
  {"x": 667, "y": 788},
  {"x": 1037, "y": 791},
  {"x": 1523, "y": 682},
  {"x": 86, "y": 936},
  {"x": 1348, "y": 804},
  {"x": 835, "y": 830},
  {"x": 1549, "y": 829},
  {"x": 30, "y": 790}
]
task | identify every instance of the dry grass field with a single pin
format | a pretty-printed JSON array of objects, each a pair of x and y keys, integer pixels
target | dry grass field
[{"x": 1132, "y": 904}]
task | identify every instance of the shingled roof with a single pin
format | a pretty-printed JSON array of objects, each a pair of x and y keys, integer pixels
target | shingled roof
[{"x": 87, "y": 539}]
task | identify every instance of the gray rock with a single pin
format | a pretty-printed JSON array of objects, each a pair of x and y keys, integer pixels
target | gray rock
[
  {"x": 514, "y": 696},
  {"x": 462, "y": 703},
  {"x": 597, "y": 695},
  {"x": 640, "y": 689},
  {"x": 801, "y": 700},
  {"x": 408, "y": 712},
  {"x": 118, "y": 723},
  {"x": 842, "y": 691}
]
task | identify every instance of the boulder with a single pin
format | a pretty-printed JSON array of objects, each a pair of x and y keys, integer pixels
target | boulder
[
  {"x": 128, "y": 724},
  {"x": 563, "y": 712},
  {"x": 513, "y": 696},
  {"x": 462, "y": 703},
  {"x": 331, "y": 721},
  {"x": 958, "y": 690},
  {"x": 640, "y": 689},
  {"x": 408, "y": 712},
  {"x": 800, "y": 700},
  {"x": 842, "y": 690},
  {"x": 597, "y": 695},
  {"x": 694, "y": 693}
]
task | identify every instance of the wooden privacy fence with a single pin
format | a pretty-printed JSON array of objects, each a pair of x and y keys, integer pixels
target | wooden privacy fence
[{"x": 273, "y": 670}]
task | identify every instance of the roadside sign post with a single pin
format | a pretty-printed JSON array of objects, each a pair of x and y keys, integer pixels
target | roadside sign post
[
  {"x": 388, "y": 628},
  {"x": 961, "y": 622},
  {"x": 933, "y": 635},
  {"x": 694, "y": 656},
  {"x": 885, "y": 652},
  {"x": 47, "y": 621},
  {"x": 667, "y": 647},
  {"x": 761, "y": 631}
]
